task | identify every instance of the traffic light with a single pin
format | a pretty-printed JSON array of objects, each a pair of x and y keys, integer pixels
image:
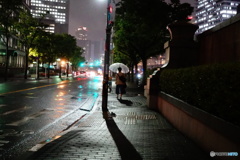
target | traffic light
[
  {"x": 110, "y": 9},
  {"x": 82, "y": 64},
  {"x": 189, "y": 18},
  {"x": 91, "y": 65}
]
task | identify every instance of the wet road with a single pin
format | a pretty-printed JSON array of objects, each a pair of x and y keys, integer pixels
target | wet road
[{"x": 32, "y": 111}]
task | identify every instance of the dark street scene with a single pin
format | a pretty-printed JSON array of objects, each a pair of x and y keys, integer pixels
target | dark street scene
[{"x": 119, "y": 80}]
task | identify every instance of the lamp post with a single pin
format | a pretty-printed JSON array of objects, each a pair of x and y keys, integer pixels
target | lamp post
[{"x": 106, "y": 61}]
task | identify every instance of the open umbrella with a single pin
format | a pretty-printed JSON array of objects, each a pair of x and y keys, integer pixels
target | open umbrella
[{"x": 114, "y": 67}]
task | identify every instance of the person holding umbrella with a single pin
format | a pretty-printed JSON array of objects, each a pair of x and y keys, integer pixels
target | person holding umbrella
[{"x": 120, "y": 83}]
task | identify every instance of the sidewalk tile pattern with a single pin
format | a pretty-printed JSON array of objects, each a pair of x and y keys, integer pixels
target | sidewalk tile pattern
[{"x": 135, "y": 133}]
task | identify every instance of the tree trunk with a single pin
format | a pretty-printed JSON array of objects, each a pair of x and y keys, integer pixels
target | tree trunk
[
  {"x": 26, "y": 64},
  {"x": 67, "y": 68},
  {"x": 7, "y": 60},
  {"x": 37, "y": 69},
  {"x": 48, "y": 70}
]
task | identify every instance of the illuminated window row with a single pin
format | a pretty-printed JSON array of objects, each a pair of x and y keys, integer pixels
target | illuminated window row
[
  {"x": 212, "y": 12},
  {"x": 40, "y": 1},
  {"x": 228, "y": 12},
  {"x": 56, "y": 8},
  {"x": 47, "y": 6}
]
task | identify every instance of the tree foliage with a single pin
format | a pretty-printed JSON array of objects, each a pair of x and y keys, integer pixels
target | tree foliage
[
  {"x": 76, "y": 57},
  {"x": 52, "y": 46},
  {"x": 45, "y": 46},
  {"x": 67, "y": 49},
  {"x": 140, "y": 27},
  {"x": 66, "y": 45},
  {"x": 28, "y": 29},
  {"x": 8, "y": 10},
  {"x": 180, "y": 11}
]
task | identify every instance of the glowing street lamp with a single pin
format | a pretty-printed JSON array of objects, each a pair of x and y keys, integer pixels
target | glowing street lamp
[{"x": 63, "y": 63}]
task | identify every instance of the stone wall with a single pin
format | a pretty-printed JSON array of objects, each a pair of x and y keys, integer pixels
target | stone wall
[
  {"x": 209, "y": 132},
  {"x": 221, "y": 43}
]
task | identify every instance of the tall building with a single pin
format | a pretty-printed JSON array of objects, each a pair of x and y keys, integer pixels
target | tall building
[
  {"x": 209, "y": 13},
  {"x": 93, "y": 50},
  {"x": 96, "y": 50},
  {"x": 57, "y": 19},
  {"x": 82, "y": 40},
  {"x": 81, "y": 33}
]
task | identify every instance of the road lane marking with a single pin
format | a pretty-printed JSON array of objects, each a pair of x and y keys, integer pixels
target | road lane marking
[
  {"x": 34, "y": 88},
  {"x": 31, "y": 97},
  {"x": 2, "y": 143},
  {"x": 2, "y": 105},
  {"x": 28, "y": 118},
  {"x": 16, "y": 110},
  {"x": 11, "y": 133}
]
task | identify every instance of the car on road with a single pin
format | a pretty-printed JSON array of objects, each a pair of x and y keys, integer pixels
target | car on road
[{"x": 80, "y": 74}]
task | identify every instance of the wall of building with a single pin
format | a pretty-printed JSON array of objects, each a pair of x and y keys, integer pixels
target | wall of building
[{"x": 221, "y": 43}]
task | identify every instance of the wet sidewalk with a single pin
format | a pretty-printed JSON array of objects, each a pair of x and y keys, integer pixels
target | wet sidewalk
[{"x": 135, "y": 133}]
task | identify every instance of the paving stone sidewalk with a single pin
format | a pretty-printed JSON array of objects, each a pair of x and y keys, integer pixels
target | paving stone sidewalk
[{"x": 135, "y": 133}]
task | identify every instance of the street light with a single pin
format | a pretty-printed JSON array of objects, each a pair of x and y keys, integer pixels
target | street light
[{"x": 106, "y": 61}]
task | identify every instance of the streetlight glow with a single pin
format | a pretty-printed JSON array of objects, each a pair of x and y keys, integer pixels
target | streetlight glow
[{"x": 62, "y": 63}]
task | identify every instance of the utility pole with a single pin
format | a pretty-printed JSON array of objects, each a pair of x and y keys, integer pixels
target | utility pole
[{"x": 106, "y": 61}]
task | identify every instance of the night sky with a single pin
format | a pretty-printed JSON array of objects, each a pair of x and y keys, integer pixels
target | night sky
[{"x": 92, "y": 14}]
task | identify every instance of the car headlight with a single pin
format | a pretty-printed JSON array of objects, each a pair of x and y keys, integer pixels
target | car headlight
[{"x": 139, "y": 75}]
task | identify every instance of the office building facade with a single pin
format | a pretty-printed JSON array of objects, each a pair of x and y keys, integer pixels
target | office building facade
[
  {"x": 209, "y": 13},
  {"x": 57, "y": 17},
  {"x": 16, "y": 60},
  {"x": 92, "y": 49}
]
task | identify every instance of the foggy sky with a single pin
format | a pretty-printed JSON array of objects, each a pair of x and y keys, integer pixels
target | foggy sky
[{"x": 92, "y": 14}]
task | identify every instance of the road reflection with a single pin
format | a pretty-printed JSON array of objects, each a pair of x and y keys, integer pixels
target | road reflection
[
  {"x": 43, "y": 108},
  {"x": 61, "y": 86}
]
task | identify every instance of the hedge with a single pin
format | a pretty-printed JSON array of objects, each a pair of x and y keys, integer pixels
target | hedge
[{"x": 213, "y": 88}]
